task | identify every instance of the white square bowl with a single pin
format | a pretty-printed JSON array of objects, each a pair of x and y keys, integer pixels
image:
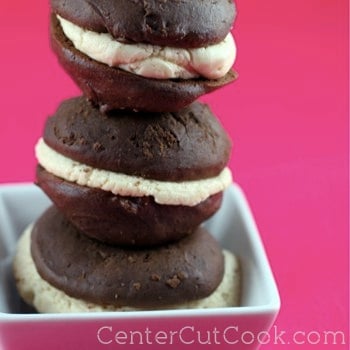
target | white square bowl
[{"x": 242, "y": 327}]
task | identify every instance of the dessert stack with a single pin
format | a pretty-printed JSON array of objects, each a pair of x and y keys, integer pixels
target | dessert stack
[{"x": 135, "y": 165}]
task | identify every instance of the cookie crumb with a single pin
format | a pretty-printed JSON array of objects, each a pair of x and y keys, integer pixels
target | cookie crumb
[
  {"x": 98, "y": 147},
  {"x": 182, "y": 275},
  {"x": 131, "y": 259},
  {"x": 173, "y": 282},
  {"x": 155, "y": 277},
  {"x": 137, "y": 285},
  {"x": 82, "y": 141}
]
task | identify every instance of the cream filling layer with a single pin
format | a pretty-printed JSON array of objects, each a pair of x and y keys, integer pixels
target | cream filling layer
[
  {"x": 151, "y": 61},
  {"x": 188, "y": 193}
]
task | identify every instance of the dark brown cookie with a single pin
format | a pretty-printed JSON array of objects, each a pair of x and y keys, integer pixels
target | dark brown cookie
[
  {"x": 190, "y": 269},
  {"x": 184, "y": 23},
  {"x": 126, "y": 221},
  {"x": 187, "y": 145},
  {"x": 112, "y": 88}
]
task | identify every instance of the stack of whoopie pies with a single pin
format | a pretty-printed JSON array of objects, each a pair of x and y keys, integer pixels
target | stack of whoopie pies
[{"x": 135, "y": 165}]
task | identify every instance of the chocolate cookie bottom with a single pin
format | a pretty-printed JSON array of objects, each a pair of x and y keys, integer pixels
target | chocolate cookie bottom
[{"x": 126, "y": 221}]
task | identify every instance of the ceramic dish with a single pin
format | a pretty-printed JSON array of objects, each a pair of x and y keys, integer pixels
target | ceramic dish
[{"x": 241, "y": 327}]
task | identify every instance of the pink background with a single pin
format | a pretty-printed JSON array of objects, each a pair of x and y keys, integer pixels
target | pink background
[{"x": 287, "y": 115}]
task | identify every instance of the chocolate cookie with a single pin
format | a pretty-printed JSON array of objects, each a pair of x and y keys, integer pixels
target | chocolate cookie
[
  {"x": 86, "y": 269},
  {"x": 113, "y": 88},
  {"x": 181, "y": 146},
  {"x": 46, "y": 298},
  {"x": 124, "y": 220},
  {"x": 185, "y": 23}
]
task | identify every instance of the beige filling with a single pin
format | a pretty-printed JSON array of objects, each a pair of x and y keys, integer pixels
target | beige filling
[
  {"x": 188, "y": 193},
  {"x": 211, "y": 62}
]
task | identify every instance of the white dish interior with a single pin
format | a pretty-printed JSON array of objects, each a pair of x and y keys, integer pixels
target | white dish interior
[{"x": 233, "y": 226}]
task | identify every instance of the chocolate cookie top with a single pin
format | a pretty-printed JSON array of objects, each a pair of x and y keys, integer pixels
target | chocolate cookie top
[
  {"x": 190, "y": 269},
  {"x": 177, "y": 23},
  {"x": 186, "y": 145}
]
